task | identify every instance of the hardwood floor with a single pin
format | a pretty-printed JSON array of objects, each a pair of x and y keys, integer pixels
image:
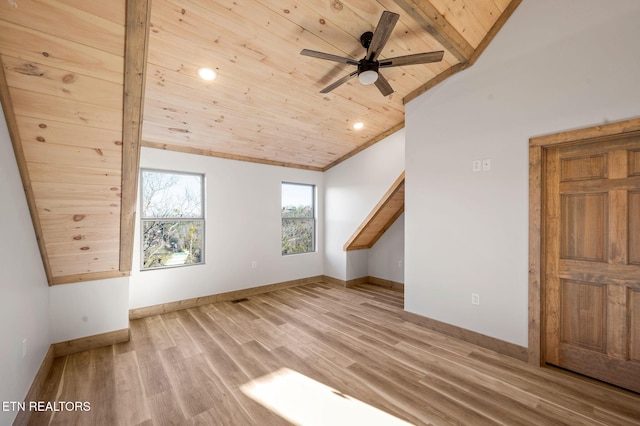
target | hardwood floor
[{"x": 191, "y": 366}]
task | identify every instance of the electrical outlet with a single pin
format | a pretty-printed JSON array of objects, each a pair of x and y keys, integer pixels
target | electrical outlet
[
  {"x": 254, "y": 264},
  {"x": 399, "y": 263},
  {"x": 486, "y": 164},
  {"x": 475, "y": 299},
  {"x": 477, "y": 165},
  {"x": 24, "y": 348}
]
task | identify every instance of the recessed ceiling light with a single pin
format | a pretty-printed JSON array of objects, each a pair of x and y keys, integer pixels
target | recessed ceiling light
[
  {"x": 207, "y": 74},
  {"x": 359, "y": 125}
]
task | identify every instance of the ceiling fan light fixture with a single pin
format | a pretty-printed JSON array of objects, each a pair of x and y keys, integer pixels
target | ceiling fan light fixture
[
  {"x": 207, "y": 74},
  {"x": 368, "y": 77}
]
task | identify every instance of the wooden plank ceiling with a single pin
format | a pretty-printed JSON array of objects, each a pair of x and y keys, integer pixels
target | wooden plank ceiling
[{"x": 63, "y": 93}]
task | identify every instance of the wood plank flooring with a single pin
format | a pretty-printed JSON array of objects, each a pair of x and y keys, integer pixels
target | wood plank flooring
[{"x": 189, "y": 367}]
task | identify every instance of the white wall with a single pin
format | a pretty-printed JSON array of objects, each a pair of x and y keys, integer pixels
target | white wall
[
  {"x": 242, "y": 225},
  {"x": 352, "y": 190},
  {"x": 24, "y": 293},
  {"x": 556, "y": 65},
  {"x": 386, "y": 258},
  {"x": 89, "y": 308}
]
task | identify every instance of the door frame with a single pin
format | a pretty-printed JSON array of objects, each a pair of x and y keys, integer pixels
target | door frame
[{"x": 537, "y": 151}]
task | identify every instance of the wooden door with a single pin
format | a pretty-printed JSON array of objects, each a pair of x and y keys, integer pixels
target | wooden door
[{"x": 592, "y": 259}]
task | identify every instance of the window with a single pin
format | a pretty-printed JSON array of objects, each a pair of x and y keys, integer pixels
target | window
[
  {"x": 298, "y": 218},
  {"x": 172, "y": 219}
]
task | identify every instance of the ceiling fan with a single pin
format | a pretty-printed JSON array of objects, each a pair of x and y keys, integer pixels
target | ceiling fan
[{"x": 368, "y": 67}]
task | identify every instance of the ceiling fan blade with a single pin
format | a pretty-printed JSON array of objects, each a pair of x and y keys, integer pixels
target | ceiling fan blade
[
  {"x": 382, "y": 33},
  {"x": 383, "y": 85},
  {"x": 339, "y": 82},
  {"x": 418, "y": 58},
  {"x": 328, "y": 57}
]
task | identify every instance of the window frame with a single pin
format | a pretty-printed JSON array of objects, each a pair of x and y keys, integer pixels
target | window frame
[
  {"x": 144, "y": 219},
  {"x": 314, "y": 219}
]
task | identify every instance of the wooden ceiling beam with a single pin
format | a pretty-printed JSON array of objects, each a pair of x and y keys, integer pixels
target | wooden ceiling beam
[
  {"x": 136, "y": 46},
  {"x": 437, "y": 25},
  {"x": 383, "y": 215},
  {"x": 497, "y": 26},
  {"x": 212, "y": 153}
]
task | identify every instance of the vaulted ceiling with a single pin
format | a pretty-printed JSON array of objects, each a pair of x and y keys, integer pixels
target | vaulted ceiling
[{"x": 85, "y": 83}]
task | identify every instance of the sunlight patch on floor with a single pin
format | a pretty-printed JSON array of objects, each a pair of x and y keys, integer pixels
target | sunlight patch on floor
[{"x": 304, "y": 401}]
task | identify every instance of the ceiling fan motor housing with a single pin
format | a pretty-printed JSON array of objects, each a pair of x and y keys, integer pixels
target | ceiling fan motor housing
[
  {"x": 366, "y": 65},
  {"x": 365, "y": 39}
]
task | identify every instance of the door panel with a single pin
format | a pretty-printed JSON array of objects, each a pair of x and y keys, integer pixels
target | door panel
[
  {"x": 583, "y": 226},
  {"x": 591, "y": 276},
  {"x": 634, "y": 163},
  {"x": 634, "y": 321},
  {"x": 591, "y": 167},
  {"x": 583, "y": 314},
  {"x": 634, "y": 227}
]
